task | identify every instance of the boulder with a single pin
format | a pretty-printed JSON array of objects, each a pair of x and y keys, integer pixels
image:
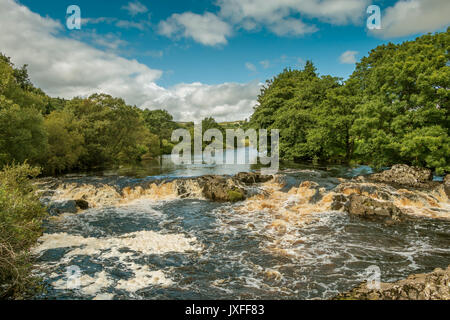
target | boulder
[
  {"x": 404, "y": 175},
  {"x": 82, "y": 204},
  {"x": 66, "y": 206},
  {"x": 339, "y": 202},
  {"x": 219, "y": 188},
  {"x": 215, "y": 188},
  {"x": 430, "y": 286},
  {"x": 366, "y": 207}
]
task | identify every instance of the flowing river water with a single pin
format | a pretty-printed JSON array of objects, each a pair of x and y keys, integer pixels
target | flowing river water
[{"x": 171, "y": 248}]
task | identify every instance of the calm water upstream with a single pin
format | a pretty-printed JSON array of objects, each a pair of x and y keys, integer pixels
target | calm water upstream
[{"x": 195, "y": 249}]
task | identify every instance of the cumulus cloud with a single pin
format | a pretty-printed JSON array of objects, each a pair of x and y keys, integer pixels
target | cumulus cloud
[
  {"x": 135, "y": 8},
  {"x": 228, "y": 101},
  {"x": 408, "y": 17},
  {"x": 67, "y": 67},
  {"x": 206, "y": 29},
  {"x": 291, "y": 27},
  {"x": 281, "y": 17},
  {"x": 348, "y": 57},
  {"x": 277, "y": 15}
]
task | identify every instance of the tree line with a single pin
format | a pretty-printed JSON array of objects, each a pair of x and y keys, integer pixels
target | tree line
[
  {"x": 394, "y": 108},
  {"x": 79, "y": 134}
]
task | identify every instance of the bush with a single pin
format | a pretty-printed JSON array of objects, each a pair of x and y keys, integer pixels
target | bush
[{"x": 21, "y": 216}]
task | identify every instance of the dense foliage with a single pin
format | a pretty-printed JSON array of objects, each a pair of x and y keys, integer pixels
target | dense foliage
[
  {"x": 21, "y": 216},
  {"x": 79, "y": 134},
  {"x": 393, "y": 109},
  {"x": 161, "y": 125}
]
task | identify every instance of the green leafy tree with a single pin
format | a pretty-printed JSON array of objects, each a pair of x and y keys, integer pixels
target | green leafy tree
[
  {"x": 161, "y": 124},
  {"x": 405, "y": 109},
  {"x": 291, "y": 103},
  {"x": 65, "y": 142},
  {"x": 114, "y": 133},
  {"x": 16, "y": 86},
  {"x": 22, "y": 134}
]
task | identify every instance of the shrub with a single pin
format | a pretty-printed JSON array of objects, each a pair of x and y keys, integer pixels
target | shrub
[{"x": 21, "y": 216}]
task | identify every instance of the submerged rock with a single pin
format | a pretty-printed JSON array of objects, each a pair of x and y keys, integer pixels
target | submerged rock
[
  {"x": 429, "y": 286},
  {"x": 402, "y": 174}
]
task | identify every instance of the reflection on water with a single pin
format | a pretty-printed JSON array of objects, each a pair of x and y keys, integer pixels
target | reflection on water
[{"x": 164, "y": 167}]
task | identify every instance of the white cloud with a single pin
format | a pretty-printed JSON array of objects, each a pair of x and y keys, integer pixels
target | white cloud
[
  {"x": 348, "y": 57},
  {"x": 408, "y": 17},
  {"x": 135, "y": 8},
  {"x": 228, "y": 101},
  {"x": 281, "y": 17},
  {"x": 206, "y": 29},
  {"x": 291, "y": 27},
  {"x": 67, "y": 67},
  {"x": 250, "y": 66},
  {"x": 278, "y": 16}
]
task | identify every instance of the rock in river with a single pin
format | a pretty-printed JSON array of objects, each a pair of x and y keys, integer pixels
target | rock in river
[
  {"x": 402, "y": 174},
  {"x": 366, "y": 207},
  {"x": 67, "y": 206},
  {"x": 429, "y": 286}
]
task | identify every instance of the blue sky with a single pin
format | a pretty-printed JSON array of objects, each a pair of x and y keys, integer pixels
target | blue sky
[
  {"x": 225, "y": 47},
  {"x": 185, "y": 60}
]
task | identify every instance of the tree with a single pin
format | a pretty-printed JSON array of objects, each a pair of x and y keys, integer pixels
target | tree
[
  {"x": 160, "y": 122},
  {"x": 16, "y": 86},
  {"x": 22, "y": 135},
  {"x": 405, "y": 109},
  {"x": 65, "y": 142},
  {"x": 114, "y": 133},
  {"x": 291, "y": 103}
]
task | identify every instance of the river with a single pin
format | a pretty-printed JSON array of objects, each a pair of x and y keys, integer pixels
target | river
[{"x": 197, "y": 249}]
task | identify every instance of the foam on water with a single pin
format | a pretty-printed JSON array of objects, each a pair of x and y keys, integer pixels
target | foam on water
[{"x": 282, "y": 244}]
